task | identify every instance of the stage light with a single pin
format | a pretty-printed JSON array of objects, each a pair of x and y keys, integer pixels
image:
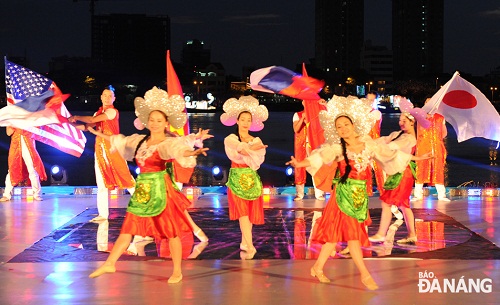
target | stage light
[
  {"x": 290, "y": 176},
  {"x": 219, "y": 175},
  {"x": 137, "y": 170},
  {"x": 216, "y": 170},
  {"x": 474, "y": 192},
  {"x": 58, "y": 175}
]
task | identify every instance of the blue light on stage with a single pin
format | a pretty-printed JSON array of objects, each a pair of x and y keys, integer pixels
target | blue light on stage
[
  {"x": 137, "y": 170},
  {"x": 219, "y": 175},
  {"x": 216, "y": 170},
  {"x": 289, "y": 171},
  {"x": 58, "y": 175},
  {"x": 55, "y": 169}
]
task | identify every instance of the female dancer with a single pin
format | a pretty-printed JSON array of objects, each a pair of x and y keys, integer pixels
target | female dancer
[
  {"x": 155, "y": 209},
  {"x": 397, "y": 197},
  {"x": 246, "y": 153},
  {"x": 348, "y": 121}
]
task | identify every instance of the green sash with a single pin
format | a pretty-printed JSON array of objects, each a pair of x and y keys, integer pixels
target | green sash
[
  {"x": 393, "y": 181},
  {"x": 149, "y": 198},
  {"x": 352, "y": 198},
  {"x": 245, "y": 183}
]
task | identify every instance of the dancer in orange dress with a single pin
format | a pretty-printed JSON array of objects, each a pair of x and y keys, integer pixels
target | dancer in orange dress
[
  {"x": 431, "y": 171},
  {"x": 302, "y": 149},
  {"x": 111, "y": 170},
  {"x": 246, "y": 153},
  {"x": 155, "y": 209},
  {"x": 346, "y": 124},
  {"x": 24, "y": 163}
]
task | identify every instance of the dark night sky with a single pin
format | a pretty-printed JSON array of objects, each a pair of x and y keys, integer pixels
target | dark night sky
[{"x": 259, "y": 33}]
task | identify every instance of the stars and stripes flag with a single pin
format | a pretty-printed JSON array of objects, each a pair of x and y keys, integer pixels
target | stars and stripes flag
[
  {"x": 467, "y": 109},
  {"x": 36, "y": 105}
]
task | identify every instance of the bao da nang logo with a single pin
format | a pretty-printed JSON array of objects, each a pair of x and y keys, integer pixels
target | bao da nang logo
[{"x": 429, "y": 283}]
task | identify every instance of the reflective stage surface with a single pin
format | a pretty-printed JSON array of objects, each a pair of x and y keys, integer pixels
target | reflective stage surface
[{"x": 48, "y": 249}]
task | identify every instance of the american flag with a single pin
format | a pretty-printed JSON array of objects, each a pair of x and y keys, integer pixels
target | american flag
[{"x": 34, "y": 93}]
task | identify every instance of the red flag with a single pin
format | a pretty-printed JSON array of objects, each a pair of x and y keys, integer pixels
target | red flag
[
  {"x": 312, "y": 108},
  {"x": 174, "y": 87},
  {"x": 467, "y": 109}
]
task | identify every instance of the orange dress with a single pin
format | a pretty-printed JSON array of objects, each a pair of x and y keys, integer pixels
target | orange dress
[
  {"x": 17, "y": 168},
  {"x": 431, "y": 171},
  {"x": 300, "y": 150},
  {"x": 112, "y": 166}
]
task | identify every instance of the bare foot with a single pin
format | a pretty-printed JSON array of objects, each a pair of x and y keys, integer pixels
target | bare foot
[
  {"x": 174, "y": 279},
  {"x": 369, "y": 282},
  {"x": 102, "y": 270}
]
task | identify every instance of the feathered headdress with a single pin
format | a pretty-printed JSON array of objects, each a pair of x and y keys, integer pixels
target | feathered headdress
[
  {"x": 417, "y": 113},
  {"x": 358, "y": 111},
  {"x": 158, "y": 99},
  {"x": 233, "y": 107}
]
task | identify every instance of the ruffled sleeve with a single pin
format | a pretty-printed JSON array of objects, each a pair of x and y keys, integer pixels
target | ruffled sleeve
[
  {"x": 325, "y": 154},
  {"x": 234, "y": 147},
  {"x": 391, "y": 160},
  {"x": 174, "y": 148},
  {"x": 125, "y": 146}
]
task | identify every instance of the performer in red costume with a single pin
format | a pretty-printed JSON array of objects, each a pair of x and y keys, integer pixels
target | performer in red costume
[
  {"x": 156, "y": 208},
  {"x": 111, "y": 170},
  {"x": 24, "y": 163},
  {"x": 305, "y": 128},
  {"x": 398, "y": 188},
  {"x": 346, "y": 124},
  {"x": 431, "y": 171},
  {"x": 246, "y": 153}
]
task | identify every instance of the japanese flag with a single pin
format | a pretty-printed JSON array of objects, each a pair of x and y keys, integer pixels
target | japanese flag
[{"x": 467, "y": 109}]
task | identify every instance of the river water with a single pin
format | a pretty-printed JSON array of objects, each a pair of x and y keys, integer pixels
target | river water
[{"x": 467, "y": 161}]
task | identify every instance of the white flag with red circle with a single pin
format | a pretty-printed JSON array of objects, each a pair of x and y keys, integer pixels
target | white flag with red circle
[{"x": 467, "y": 109}]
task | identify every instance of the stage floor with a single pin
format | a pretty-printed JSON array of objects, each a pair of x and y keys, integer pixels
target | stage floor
[{"x": 48, "y": 249}]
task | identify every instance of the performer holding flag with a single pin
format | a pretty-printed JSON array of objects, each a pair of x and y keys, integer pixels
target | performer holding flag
[
  {"x": 308, "y": 136},
  {"x": 34, "y": 111},
  {"x": 467, "y": 109}
]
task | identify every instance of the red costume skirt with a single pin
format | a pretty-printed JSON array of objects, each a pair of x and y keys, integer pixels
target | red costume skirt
[
  {"x": 400, "y": 196},
  {"x": 239, "y": 207},
  {"x": 335, "y": 226},
  {"x": 168, "y": 224}
]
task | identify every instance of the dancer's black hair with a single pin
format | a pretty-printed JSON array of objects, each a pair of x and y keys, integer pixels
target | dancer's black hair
[
  {"x": 348, "y": 167},
  {"x": 400, "y": 134}
]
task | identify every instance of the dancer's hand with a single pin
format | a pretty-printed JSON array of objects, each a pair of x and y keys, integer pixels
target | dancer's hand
[
  {"x": 295, "y": 163},
  {"x": 203, "y": 134},
  {"x": 258, "y": 146},
  {"x": 98, "y": 133},
  {"x": 194, "y": 153}
]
